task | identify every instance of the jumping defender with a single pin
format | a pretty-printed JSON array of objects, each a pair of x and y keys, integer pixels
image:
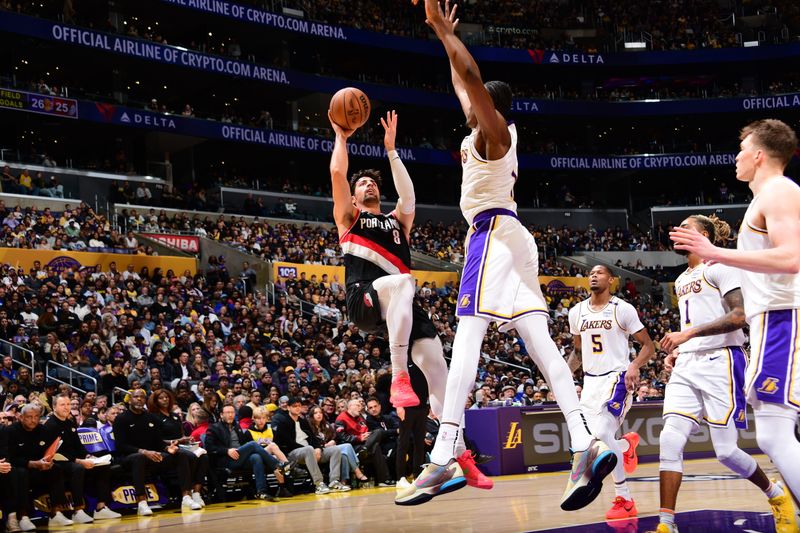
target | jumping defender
[{"x": 499, "y": 282}]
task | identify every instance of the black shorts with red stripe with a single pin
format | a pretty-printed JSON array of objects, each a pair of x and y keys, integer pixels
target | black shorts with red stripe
[{"x": 364, "y": 311}]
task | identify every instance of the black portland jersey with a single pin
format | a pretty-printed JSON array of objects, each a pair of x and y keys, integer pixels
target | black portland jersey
[{"x": 374, "y": 246}]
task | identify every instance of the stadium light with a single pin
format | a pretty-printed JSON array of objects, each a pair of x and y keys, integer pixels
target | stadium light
[{"x": 636, "y": 45}]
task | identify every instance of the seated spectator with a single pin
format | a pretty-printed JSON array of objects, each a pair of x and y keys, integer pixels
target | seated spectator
[
  {"x": 36, "y": 471},
  {"x": 352, "y": 428},
  {"x": 140, "y": 448},
  {"x": 296, "y": 440},
  {"x": 387, "y": 426},
  {"x": 261, "y": 431},
  {"x": 78, "y": 467},
  {"x": 327, "y": 434},
  {"x": 162, "y": 405},
  {"x": 11, "y": 495},
  {"x": 235, "y": 448},
  {"x": 52, "y": 188}
]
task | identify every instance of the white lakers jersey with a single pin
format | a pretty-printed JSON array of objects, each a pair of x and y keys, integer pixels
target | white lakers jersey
[
  {"x": 604, "y": 334},
  {"x": 701, "y": 292},
  {"x": 764, "y": 292},
  {"x": 487, "y": 184}
]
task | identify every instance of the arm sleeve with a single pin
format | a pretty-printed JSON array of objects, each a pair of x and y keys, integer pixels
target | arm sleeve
[{"x": 402, "y": 183}]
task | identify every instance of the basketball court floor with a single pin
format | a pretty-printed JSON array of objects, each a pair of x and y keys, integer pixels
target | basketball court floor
[{"x": 711, "y": 499}]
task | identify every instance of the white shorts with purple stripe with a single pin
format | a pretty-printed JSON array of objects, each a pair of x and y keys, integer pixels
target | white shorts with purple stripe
[
  {"x": 708, "y": 385},
  {"x": 773, "y": 375},
  {"x": 500, "y": 278},
  {"x": 605, "y": 393}
]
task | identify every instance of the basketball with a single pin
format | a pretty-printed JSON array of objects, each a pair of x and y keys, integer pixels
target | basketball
[{"x": 350, "y": 108}]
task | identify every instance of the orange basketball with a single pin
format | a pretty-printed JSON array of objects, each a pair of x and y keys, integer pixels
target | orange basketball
[{"x": 350, "y": 108}]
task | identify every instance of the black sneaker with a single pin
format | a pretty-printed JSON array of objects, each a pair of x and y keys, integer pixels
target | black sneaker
[
  {"x": 266, "y": 497},
  {"x": 283, "y": 492},
  {"x": 288, "y": 467},
  {"x": 482, "y": 459},
  {"x": 387, "y": 483}
]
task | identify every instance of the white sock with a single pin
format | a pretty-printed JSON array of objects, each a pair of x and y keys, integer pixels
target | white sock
[
  {"x": 445, "y": 446},
  {"x": 460, "y": 445},
  {"x": 399, "y": 355},
  {"x": 580, "y": 437},
  {"x": 666, "y": 516},
  {"x": 621, "y": 489},
  {"x": 773, "y": 491},
  {"x": 624, "y": 445}
]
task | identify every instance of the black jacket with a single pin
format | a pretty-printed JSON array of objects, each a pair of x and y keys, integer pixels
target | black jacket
[
  {"x": 24, "y": 446},
  {"x": 386, "y": 422},
  {"x": 313, "y": 440},
  {"x": 134, "y": 432},
  {"x": 218, "y": 438},
  {"x": 71, "y": 446},
  {"x": 284, "y": 432}
]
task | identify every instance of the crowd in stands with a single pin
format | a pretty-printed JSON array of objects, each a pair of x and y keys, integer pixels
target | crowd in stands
[
  {"x": 76, "y": 228},
  {"x": 672, "y": 25},
  {"x": 304, "y": 243}
]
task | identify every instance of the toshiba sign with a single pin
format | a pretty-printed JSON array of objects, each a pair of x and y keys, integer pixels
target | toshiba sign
[{"x": 185, "y": 243}]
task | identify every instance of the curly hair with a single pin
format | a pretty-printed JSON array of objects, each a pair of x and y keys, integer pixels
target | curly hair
[{"x": 719, "y": 231}]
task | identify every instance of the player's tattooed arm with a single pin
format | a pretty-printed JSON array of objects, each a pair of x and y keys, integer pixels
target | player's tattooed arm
[{"x": 733, "y": 320}]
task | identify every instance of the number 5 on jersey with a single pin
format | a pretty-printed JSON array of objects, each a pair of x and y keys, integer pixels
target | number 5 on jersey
[{"x": 597, "y": 344}]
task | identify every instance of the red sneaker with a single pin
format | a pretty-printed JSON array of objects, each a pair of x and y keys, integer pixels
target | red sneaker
[
  {"x": 622, "y": 508},
  {"x": 402, "y": 395},
  {"x": 475, "y": 478},
  {"x": 629, "y": 459}
]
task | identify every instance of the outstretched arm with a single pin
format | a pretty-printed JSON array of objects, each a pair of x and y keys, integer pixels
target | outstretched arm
[
  {"x": 492, "y": 124},
  {"x": 406, "y": 201},
  {"x": 460, "y": 89},
  {"x": 780, "y": 205},
  {"x": 343, "y": 209}
]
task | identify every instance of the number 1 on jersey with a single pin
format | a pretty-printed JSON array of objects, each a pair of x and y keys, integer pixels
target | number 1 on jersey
[{"x": 688, "y": 320}]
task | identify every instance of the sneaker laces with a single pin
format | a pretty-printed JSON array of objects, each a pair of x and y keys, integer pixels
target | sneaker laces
[
  {"x": 778, "y": 510},
  {"x": 619, "y": 502}
]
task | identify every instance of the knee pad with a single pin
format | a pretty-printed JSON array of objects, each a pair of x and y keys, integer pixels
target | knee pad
[{"x": 672, "y": 442}]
